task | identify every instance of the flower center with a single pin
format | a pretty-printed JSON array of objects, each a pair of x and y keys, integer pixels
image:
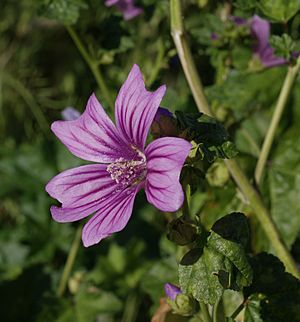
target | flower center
[{"x": 128, "y": 173}]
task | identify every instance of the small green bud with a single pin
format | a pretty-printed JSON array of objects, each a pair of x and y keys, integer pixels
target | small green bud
[
  {"x": 217, "y": 174},
  {"x": 183, "y": 305}
]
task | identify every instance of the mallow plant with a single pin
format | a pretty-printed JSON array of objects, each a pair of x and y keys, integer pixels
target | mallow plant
[{"x": 176, "y": 157}]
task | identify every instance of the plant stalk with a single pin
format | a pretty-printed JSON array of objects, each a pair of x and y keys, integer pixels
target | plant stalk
[
  {"x": 186, "y": 59},
  {"x": 205, "y": 312},
  {"x": 69, "y": 263},
  {"x": 93, "y": 65},
  {"x": 237, "y": 174},
  {"x": 131, "y": 308},
  {"x": 215, "y": 310},
  {"x": 279, "y": 108}
]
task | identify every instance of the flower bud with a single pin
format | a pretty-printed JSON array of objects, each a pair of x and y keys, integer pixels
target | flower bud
[
  {"x": 182, "y": 232},
  {"x": 217, "y": 174},
  {"x": 181, "y": 304},
  {"x": 164, "y": 124},
  {"x": 172, "y": 291}
]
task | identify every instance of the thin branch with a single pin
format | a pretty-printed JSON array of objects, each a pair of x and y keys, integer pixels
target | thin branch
[
  {"x": 279, "y": 108},
  {"x": 69, "y": 263},
  {"x": 93, "y": 65}
]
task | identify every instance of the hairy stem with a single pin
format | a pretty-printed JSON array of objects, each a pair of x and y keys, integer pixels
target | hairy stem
[
  {"x": 186, "y": 58},
  {"x": 279, "y": 108},
  {"x": 69, "y": 263},
  {"x": 237, "y": 174},
  {"x": 93, "y": 65}
]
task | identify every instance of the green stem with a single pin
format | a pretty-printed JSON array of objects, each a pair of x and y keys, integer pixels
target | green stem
[
  {"x": 279, "y": 108},
  {"x": 185, "y": 206},
  {"x": 131, "y": 308},
  {"x": 237, "y": 174},
  {"x": 205, "y": 312},
  {"x": 263, "y": 216},
  {"x": 93, "y": 65},
  {"x": 186, "y": 58},
  {"x": 215, "y": 310},
  {"x": 69, "y": 263},
  {"x": 251, "y": 141}
]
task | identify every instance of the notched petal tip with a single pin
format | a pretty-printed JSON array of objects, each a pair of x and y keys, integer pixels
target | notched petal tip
[
  {"x": 56, "y": 213},
  {"x": 136, "y": 108}
]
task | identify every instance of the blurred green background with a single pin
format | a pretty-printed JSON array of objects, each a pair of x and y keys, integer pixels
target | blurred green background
[{"x": 42, "y": 72}]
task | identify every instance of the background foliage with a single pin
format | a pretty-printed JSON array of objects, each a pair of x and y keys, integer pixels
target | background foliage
[{"x": 42, "y": 72}]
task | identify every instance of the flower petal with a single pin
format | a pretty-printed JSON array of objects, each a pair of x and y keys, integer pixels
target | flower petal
[
  {"x": 136, "y": 108},
  {"x": 92, "y": 136},
  {"x": 127, "y": 7},
  {"x": 112, "y": 217},
  {"x": 165, "y": 158},
  {"x": 268, "y": 58},
  {"x": 81, "y": 191},
  {"x": 70, "y": 114},
  {"x": 260, "y": 29}
]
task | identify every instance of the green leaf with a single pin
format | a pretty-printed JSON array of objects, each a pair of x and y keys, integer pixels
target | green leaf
[
  {"x": 182, "y": 231},
  {"x": 221, "y": 264},
  {"x": 283, "y": 45},
  {"x": 211, "y": 137},
  {"x": 284, "y": 183},
  {"x": 200, "y": 279},
  {"x": 279, "y": 291},
  {"x": 252, "y": 310},
  {"x": 233, "y": 227},
  {"x": 236, "y": 254},
  {"x": 231, "y": 243},
  {"x": 245, "y": 4},
  {"x": 12, "y": 258},
  {"x": 242, "y": 93},
  {"x": 90, "y": 303},
  {"x": 280, "y": 10},
  {"x": 157, "y": 276},
  {"x": 64, "y": 11}
]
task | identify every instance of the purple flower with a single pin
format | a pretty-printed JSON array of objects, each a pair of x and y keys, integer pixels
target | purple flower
[
  {"x": 214, "y": 36},
  {"x": 124, "y": 166},
  {"x": 172, "y": 291},
  {"x": 260, "y": 30},
  {"x": 127, "y": 7},
  {"x": 70, "y": 114},
  {"x": 239, "y": 21}
]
